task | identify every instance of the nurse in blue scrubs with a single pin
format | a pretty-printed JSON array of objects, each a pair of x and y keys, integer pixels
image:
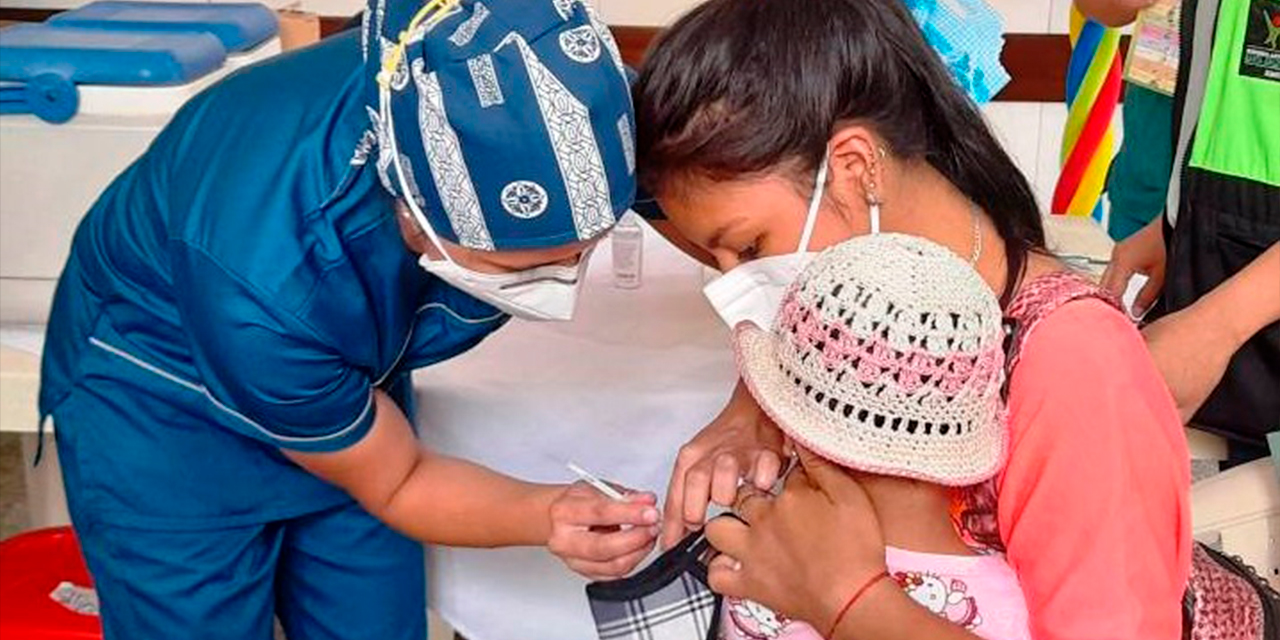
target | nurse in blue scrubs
[{"x": 230, "y": 346}]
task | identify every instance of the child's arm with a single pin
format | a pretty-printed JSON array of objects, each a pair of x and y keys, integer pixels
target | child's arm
[{"x": 444, "y": 500}]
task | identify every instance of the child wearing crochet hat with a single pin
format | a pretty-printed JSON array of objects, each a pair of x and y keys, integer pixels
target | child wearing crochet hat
[{"x": 887, "y": 358}]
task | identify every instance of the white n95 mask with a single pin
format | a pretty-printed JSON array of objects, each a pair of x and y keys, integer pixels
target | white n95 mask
[
  {"x": 541, "y": 293},
  {"x": 753, "y": 291}
]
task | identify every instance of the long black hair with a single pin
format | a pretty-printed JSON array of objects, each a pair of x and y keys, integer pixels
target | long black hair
[{"x": 741, "y": 87}]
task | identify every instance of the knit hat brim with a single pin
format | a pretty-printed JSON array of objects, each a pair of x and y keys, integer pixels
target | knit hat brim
[{"x": 951, "y": 460}]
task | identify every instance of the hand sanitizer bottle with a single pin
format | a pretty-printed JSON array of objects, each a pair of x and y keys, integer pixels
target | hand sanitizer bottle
[{"x": 628, "y": 252}]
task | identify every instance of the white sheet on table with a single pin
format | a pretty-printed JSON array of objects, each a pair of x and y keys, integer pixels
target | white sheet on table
[{"x": 618, "y": 391}]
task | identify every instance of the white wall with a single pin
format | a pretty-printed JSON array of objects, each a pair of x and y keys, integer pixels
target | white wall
[
  {"x": 1021, "y": 16},
  {"x": 1031, "y": 132}
]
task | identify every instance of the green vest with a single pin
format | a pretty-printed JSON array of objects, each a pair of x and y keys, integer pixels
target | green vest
[{"x": 1239, "y": 129}]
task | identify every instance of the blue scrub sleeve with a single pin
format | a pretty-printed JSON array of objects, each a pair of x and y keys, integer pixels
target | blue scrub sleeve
[{"x": 275, "y": 379}]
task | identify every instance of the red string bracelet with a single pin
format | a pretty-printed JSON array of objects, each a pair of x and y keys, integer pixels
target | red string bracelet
[{"x": 857, "y": 595}]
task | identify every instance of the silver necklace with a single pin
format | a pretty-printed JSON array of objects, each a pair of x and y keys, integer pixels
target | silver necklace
[{"x": 977, "y": 236}]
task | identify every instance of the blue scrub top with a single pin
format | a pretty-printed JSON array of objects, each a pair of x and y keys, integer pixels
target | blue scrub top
[{"x": 242, "y": 287}]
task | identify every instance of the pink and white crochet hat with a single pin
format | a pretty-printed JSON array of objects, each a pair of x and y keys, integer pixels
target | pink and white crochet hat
[{"x": 886, "y": 357}]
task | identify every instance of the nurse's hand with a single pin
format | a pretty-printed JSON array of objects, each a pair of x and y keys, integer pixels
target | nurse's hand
[
  {"x": 599, "y": 537},
  {"x": 740, "y": 443}
]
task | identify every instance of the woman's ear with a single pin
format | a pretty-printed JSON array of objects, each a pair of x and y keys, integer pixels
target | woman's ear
[{"x": 856, "y": 165}]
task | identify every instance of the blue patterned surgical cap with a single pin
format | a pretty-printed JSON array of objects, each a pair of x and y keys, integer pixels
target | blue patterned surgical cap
[{"x": 512, "y": 119}]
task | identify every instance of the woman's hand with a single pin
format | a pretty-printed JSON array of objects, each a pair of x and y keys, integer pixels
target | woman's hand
[
  {"x": 599, "y": 537},
  {"x": 805, "y": 552},
  {"x": 740, "y": 443},
  {"x": 1141, "y": 253},
  {"x": 811, "y": 551}
]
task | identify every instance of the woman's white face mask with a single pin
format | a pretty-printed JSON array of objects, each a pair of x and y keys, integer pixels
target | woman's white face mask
[
  {"x": 753, "y": 291},
  {"x": 546, "y": 293}
]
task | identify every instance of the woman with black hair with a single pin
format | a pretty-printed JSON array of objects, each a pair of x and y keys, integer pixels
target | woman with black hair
[{"x": 739, "y": 106}]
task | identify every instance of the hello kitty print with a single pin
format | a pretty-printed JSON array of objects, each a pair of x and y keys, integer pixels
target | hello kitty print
[{"x": 979, "y": 593}]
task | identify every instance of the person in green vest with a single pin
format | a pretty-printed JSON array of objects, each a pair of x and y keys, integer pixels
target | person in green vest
[{"x": 1213, "y": 259}]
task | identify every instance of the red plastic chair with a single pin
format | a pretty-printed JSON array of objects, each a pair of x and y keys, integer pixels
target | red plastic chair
[{"x": 32, "y": 565}]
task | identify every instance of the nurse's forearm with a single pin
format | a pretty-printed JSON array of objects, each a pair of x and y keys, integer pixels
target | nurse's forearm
[
  {"x": 430, "y": 497},
  {"x": 454, "y": 502}
]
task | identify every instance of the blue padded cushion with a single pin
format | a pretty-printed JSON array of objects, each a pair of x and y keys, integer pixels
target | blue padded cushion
[
  {"x": 239, "y": 26},
  {"x": 94, "y": 56}
]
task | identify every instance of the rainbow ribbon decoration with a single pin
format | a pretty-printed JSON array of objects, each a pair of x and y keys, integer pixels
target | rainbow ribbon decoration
[{"x": 1088, "y": 142}]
